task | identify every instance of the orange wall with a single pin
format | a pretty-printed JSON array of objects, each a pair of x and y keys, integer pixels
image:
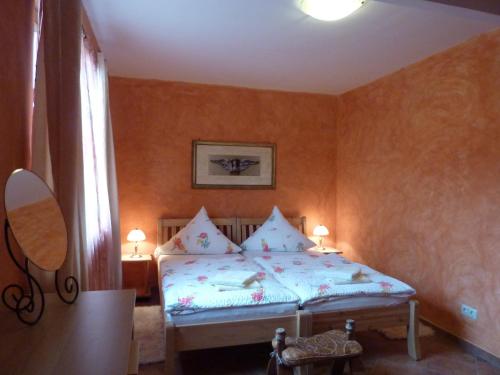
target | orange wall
[
  {"x": 154, "y": 123},
  {"x": 15, "y": 104},
  {"x": 413, "y": 159},
  {"x": 418, "y": 183}
]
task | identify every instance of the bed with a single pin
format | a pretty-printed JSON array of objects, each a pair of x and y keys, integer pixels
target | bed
[
  {"x": 381, "y": 301},
  {"x": 190, "y": 296},
  {"x": 307, "y": 275},
  {"x": 222, "y": 326}
]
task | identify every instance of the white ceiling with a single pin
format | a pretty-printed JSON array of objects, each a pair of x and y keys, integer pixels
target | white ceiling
[{"x": 270, "y": 44}]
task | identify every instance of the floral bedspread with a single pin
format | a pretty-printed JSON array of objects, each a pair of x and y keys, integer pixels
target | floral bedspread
[
  {"x": 187, "y": 288},
  {"x": 304, "y": 274}
]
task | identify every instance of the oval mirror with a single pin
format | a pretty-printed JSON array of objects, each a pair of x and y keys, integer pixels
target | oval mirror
[{"x": 36, "y": 220}]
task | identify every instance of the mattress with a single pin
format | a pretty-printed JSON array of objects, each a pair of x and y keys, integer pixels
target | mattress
[
  {"x": 304, "y": 274},
  {"x": 348, "y": 303},
  {"x": 236, "y": 313},
  {"x": 189, "y": 296}
]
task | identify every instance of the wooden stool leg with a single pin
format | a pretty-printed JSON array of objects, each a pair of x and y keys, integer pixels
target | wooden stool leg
[
  {"x": 413, "y": 332},
  {"x": 350, "y": 327},
  {"x": 280, "y": 337},
  {"x": 338, "y": 367},
  {"x": 272, "y": 366},
  {"x": 282, "y": 370},
  {"x": 339, "y": 364}
]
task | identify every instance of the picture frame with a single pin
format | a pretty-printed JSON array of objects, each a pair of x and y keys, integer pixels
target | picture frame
[{"x": 233, "y": 165}]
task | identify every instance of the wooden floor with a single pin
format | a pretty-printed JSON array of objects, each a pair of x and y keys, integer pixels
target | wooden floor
[{"x": 441, "y": 356}]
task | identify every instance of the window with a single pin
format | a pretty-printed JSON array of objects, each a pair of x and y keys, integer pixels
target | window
[{"x": 37, "y": 32}]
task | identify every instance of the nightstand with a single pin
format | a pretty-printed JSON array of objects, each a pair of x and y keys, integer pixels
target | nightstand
[
  {"x": 136, "y": 274},
  {"x": 326, "y": 250}
]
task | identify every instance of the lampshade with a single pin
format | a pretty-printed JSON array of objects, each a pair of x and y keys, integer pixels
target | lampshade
[
  {"x": 136, "y": 235},
  {"x": 329, "y": 10},
  {"x": 320, "y": 230}
]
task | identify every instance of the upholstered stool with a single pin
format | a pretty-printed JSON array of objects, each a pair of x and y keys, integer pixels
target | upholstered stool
[{"x": 336, "y": 346}]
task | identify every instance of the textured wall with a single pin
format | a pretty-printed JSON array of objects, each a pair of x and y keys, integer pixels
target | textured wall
[
  {"x": 154, "y": 123},
  {"x": 15, "y": 104},
  {"x": 418, "y": 183}
]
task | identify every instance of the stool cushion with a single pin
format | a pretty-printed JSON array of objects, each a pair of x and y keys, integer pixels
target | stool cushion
[{"x": 323, "y": 347}]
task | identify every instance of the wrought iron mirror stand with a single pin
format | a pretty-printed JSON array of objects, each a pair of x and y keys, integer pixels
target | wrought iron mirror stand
[
  {"x": 22, "y": 302},
  {"x": 35, "y": 221}
]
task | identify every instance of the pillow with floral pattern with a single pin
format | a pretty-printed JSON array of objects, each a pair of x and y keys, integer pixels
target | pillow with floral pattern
[
  {"x": 199, "y": 236},
  {"x": 277, "y": 234}
]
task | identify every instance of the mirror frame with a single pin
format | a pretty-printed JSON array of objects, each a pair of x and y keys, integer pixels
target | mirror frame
[{"x": 12, "y": 228}]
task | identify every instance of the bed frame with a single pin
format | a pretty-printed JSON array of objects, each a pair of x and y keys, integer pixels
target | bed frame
[{"x": 185, "y": 337}]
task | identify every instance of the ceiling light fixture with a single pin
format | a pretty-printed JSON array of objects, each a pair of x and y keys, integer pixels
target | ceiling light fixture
[{"x": 330, "y": 10}]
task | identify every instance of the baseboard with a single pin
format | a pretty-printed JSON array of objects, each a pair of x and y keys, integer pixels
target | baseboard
[{"x": 466, "y": 345}]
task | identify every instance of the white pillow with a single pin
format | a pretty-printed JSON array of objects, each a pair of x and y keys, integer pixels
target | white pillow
[
  {"x": 277, "y": 234},
  {"x": 199, "y": 236}
]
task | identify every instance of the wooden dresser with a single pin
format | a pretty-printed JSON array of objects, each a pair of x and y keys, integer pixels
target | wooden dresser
[{"x": 92, "y": 336}]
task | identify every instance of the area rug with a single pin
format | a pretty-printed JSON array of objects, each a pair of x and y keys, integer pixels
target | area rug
[
  {"x": 149, "y": 331},
  {"x": 399, "y": 332}
]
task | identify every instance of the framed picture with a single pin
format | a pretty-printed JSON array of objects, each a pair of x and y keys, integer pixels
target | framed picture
[{"x": 228, "y": 165}]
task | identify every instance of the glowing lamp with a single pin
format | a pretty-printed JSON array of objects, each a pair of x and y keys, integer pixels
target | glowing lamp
[
  {"x": 330, "y": 10},
  {"x": 136, "y": 235},
  {"x": 321, "y": 231}
]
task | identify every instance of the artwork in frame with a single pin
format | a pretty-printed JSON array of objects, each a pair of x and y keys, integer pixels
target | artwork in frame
[{"x": 231, "y": 165}]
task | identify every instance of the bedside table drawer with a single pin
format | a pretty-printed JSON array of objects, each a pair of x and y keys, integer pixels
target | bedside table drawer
[{"x": 136, "y": 274}]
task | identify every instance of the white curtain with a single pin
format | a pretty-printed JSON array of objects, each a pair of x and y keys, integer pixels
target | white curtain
[
  {"x": 102, "y": 237},
  {"x": 40, "y": 150},
  {"x": 94, "y": 256},
  {"x": 41, "y": 164}
]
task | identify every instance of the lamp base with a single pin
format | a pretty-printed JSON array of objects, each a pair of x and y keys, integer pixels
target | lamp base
[
  {"x": 321, "y": 247},
  {"x": 135, "y": 254}
]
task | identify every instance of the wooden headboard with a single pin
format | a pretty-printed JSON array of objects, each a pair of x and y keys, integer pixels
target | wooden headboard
[
  {"x": 246, "y": 226},
  {"x": 235, "y": 228}
]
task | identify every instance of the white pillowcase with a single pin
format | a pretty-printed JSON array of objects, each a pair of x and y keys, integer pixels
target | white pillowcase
[
  {"x": 199, "y": 236},
  {"x": 277, "y": 234}
]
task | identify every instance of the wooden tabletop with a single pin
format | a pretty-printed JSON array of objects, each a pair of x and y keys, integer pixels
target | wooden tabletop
[
  {"x": 326, "y": 250},
  {"x": 92, "y": 336},
  {"x": 142, "y": 258}
]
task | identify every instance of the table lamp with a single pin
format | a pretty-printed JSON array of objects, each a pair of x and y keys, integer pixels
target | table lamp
[
  {"x": 321, "y": 231},
  {"x": 136, "y": 235}
]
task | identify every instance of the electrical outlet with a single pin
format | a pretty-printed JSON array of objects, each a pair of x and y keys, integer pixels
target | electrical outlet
[{"x": 468, "y": 312}]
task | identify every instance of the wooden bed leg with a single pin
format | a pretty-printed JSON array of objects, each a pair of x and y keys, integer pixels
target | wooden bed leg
[
  {"x": 304, "y": 323},
  {"x": 304, "y": 329},
  {"x": 171, "y": 359},
  {"x": 413, "y": 332}
]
